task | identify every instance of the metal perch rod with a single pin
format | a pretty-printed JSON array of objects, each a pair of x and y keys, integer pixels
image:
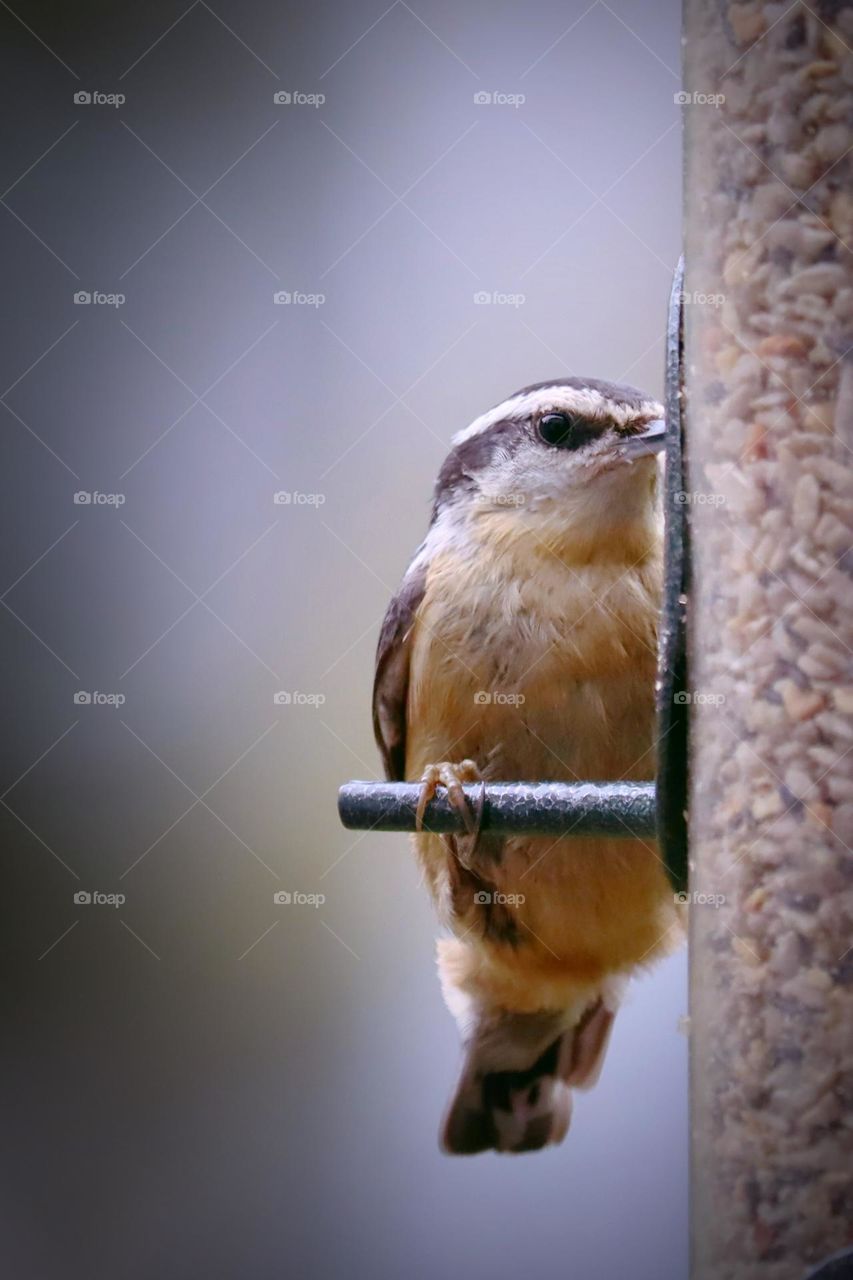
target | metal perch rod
[{"x": 543, "y": 808}]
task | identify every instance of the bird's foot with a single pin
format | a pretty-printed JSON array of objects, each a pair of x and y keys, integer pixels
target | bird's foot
[{"x": 452, "y": 777}]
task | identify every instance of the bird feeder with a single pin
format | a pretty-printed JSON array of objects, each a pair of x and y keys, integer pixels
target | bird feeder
[{"x": 769, "y": 494}]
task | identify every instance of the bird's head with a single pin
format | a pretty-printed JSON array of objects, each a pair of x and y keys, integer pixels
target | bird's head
[{"x": 575, "y": 456}]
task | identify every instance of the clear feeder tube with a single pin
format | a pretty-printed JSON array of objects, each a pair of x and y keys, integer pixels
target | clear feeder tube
[{"x": 769, "y": 404}]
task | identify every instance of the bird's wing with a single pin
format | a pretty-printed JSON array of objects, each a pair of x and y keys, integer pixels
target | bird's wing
[{"x": 391, "y": 683}]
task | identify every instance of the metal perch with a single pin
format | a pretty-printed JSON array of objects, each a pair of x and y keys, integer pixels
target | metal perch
[{"x": 543, "y": 808}]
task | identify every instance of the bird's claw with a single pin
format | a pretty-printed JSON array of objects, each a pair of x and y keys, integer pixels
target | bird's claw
[{"x": 452, "y": 777}]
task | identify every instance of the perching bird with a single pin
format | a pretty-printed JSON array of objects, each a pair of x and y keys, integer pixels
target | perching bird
[{"x": 521, "y": 646}]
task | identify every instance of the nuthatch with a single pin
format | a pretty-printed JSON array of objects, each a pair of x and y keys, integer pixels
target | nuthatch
[{"x": 521, "y": 646}]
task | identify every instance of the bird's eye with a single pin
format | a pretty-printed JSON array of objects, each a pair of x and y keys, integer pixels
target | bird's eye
[{"x": 565, "y": 431}]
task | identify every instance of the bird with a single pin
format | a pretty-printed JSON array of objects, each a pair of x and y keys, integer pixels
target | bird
[{"x": 521, "y": 646}]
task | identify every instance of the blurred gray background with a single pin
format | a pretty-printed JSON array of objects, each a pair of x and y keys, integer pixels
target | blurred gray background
[{"x": 200, "y": 1081}]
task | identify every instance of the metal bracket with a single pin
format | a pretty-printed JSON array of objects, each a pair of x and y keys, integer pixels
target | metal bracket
[
  {"x": 838, "y": 1267},
  {"x": 638, "y": 809},
  {"x": 672, "y": 699}
]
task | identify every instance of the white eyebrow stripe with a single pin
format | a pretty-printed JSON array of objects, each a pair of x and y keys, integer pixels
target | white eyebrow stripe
[{"x": 585, "y": 402}]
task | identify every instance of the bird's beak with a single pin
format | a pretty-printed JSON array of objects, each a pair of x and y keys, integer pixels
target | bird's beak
[{"x": 649, "y": 441}]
